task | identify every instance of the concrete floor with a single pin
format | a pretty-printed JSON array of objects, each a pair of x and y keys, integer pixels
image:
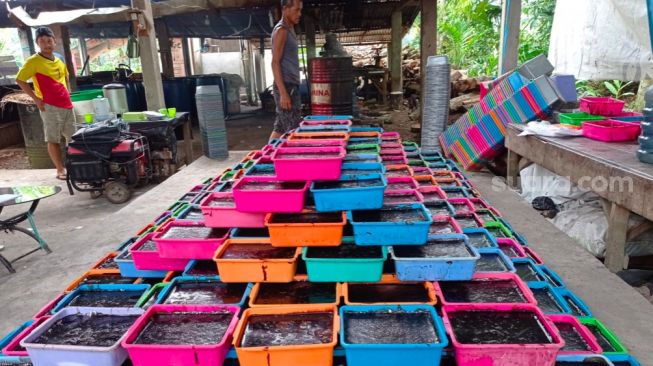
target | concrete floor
[
  {"x": 81, "y": 230},
  {"x": 619, "y": 306}
]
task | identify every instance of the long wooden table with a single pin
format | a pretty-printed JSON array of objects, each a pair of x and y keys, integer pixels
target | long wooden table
[{"x": 611, "y": 170}]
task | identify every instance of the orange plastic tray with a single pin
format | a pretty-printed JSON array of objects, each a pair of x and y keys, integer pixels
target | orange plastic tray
[
  {"x": 408, "y": 171},
  {"x": 255, "y": 290},
  {"x": 318, "y": 136},
  {"x": 304, "y": 355},
  {"x": 105, "y": 258},
  {"x": 365, "y": 134},
  {"x": 255, "y": 270},
  {"x": 305, "y": 234},
  {"x": 425, "y": 178},
  {"x": 430, "y": 289},
  {"x": 170, "y": 276},
  {"x": 94, "y": 272}
]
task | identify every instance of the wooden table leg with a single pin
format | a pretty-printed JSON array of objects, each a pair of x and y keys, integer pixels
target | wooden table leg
[
  {"x": 617, "y": 235},
  {"x": 188, "y": 143},
  {"x": 513, "y": 168}
]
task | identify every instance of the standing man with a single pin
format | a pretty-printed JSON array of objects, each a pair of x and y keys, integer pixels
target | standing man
[
  {"x": 285, "y": 67},
  {"x": 51, "y": 95}
]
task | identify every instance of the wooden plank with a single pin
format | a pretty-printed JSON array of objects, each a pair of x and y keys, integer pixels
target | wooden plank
[
  {"x": 629, "y": 182},
  {"x": 509, "y": 42},
  {"x": 513, "y": 169},
  {"x": 395, "y": 59},
  {"x": 429, "y": 38},
  {"x": 615, "y": 241},
  {"x": 150, "y": 58}
]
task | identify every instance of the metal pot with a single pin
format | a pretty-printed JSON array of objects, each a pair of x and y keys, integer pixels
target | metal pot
[{"x": 117, "y": 96}]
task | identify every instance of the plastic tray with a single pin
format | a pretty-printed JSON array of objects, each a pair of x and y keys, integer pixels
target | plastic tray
[
  {"x": 149, "y": 298},
  {"x": 165, "y": 293},
  {"x": 228, "y": 217},
  {"x": 255, "y": 270},
  {"x": 286, "y": 234},
  {"x": 587, "y": 336},
  {"x": 285, "y": 200},
  {"x": 173, "y": 355},
  {"x": 393, "y": 354},
  {"x": 193, "y": 263},
  {"x": 128, "y": 268},
  {"x": 108, "y": 288},
  {"x": 482, "y": 232},
  {"x": 187, "y": 248},
  {"x": 152, "y": 260},
  {"x": 309, "y": 168},
  {"x": 577, "y": 306},
  {"x": 13, "y": 339},
  {"x": 428, "y": 289},
  {"x": 109, "y": 256},
  {"x": 577, "y": 119},
  {"x": 361, "y": 169},
  {"x": 392, "y": 233},
  {"x": 356, "y": 198},
  {"x": 438, "y": 268},
  {"x": 57, "y": 355},
  {"x": 487, "y": 278},
  {"x": 510, "y": 246},
  {"x": 402, "y": 197},
  {"x": 564, "y": 307},
  {"x": 432, "y": 194},
  {"x": 305, "y": 355},
  {"x": 602, "y": 106},
  {"x": 409, "y": 181},
  {"x": 611, "y": 130},
  {"x": 509, "y": 267},
  {"x": 253, "y": 296},
  {"x": 327, "y": 122},
  {"x": 312, "y": 143},
  {"x": 323, "y": 128},
  {"x": 504, "y": 354},
  {"x": 345, "y": 269},
  {"x": 621, "y": 352}
]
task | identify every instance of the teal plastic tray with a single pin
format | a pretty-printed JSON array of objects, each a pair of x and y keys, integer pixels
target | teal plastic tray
[{"x": 345, "y": 269}]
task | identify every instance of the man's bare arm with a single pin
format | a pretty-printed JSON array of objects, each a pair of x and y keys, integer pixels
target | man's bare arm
[
  {"x": 28, "y": 90},
  {"x": 278, "y": 47}
]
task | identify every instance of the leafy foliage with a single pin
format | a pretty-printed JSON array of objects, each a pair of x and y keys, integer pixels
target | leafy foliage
[{"x": 468, "y": 32}]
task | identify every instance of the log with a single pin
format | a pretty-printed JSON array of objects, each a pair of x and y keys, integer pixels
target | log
[{"x": 462, "y": 101}]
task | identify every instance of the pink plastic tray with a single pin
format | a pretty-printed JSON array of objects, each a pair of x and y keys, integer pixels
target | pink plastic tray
[
  {"x": 152, "y": 260},
  {"x": 405, "y": 180},
  {"x": 391, "y": 137},
  {"x": 454, "y": 224},
  {"x": 432, "y": 193},
  {"x": 611, "y": 130},
  {"x": 329, "y": 122},
  {"x": 229, "y": 217},
  {"x": 266, "y": 201},
  {"x": 514, "y": 245},
  {"x": 530, "y": 253},
  {"x": 489, "y": 277},
  {"x": 174, "y": 355},
  {"x": 45, "y": 311},
  {"x": 602, "y": 106},
  {"x": 392, "y": 145},
  {"x": 466, "y": 205},
  {"x": 327, "y": 167},
  {"x": 402, "y": 197},
  {"x": 191, "y": 248},
  {"x": 504, "y": 354},
  {"x": 582, "y": 330},
  {"x": 392, "y": 151},
  {"x": 312, "y": 143},
  {"x": 10, "y": 349}
]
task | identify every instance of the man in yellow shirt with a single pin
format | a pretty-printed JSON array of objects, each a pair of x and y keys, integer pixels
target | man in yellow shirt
[{"x": 50, "y": 94}]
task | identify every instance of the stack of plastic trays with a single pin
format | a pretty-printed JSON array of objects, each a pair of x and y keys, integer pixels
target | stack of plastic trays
[
  {"x": 436, "y": 95},
  {"x": 213, "y": 131}
]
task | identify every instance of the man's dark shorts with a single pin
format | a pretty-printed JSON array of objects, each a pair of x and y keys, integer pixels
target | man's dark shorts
[{"x": 288, "y": 119}]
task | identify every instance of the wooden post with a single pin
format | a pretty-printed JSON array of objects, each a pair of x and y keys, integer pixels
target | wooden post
[
  {"x": 188, "y": 62},
  {"x": 616, "y": 237},
  {"x": 509, "y": 44},
  {"x": 70, "y": 65},
  {"x": 26, "y": 41},
  {"x": 165, "y": 48},
  {"x": 429, "y": 41},
  {"x": 83, "y": 53},
  {"x": 396, "y": 95},
  {"x": 264, "y": 81},
  {"x": 309, "y": 25},
  {"x": 247, "y": 69},
  {"x": 150, "y": 58}
]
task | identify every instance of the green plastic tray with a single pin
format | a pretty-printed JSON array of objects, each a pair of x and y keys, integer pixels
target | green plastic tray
[
  {"x": 576, "y": 119},
  {"x": 608, "y": 334},
  {"x": 345, "y": 270}
]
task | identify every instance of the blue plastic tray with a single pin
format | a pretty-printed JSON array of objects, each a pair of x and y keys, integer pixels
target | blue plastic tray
[
  {"x": 358, "y": 169},
  {"x": 455, "y": 192},
  {"x": 438, "y": 268},
  {"x": 551, "y": 277},
  {"x": 470, "y": 232},
  {"x": 495, "y": 252},
  {"x": 328, "y": 118},
  {"x": 541, "y": 277},
  {"x": 393, "y": 233},
  {"x": 628, "y": 359},
  {"x": 577, "y": 306},
  {"x": 324, "y": 128},
  {"x": 84, "y": 288},
  {"x": 345, "y": 199},
  {"x": 393, "y": 354},
  {"x": 128, "y": 269},
  {"x": 258, "y": 168},
  {"x": 11, "y": 335},
  {"x": 556, "y": 297},
  {"x": 366, "y": 129},
  {"x": 163, "y": 295}
]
